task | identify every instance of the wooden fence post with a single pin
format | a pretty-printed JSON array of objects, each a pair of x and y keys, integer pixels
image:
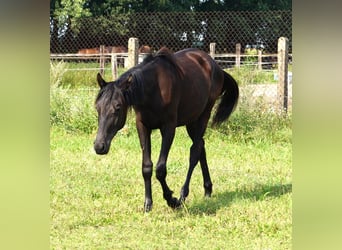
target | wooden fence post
[
  {"x": 133, "y": 53},
  {"x": 212, "y": 49},
  {"x": 102, "y": 59},
  {"x": 283, "y": 54},
  {"x": 259, "y": 59},
  {"x": 114, "y": 66},
  {"x": 238, "y": 55}
]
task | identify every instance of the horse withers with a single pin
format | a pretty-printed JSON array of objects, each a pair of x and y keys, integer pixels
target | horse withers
[{"x": 167, "y": 90}]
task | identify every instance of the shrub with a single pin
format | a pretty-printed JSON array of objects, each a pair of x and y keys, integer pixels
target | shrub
[
  {"x": 57, "y": 70},
  {"x": 73, "y": 109}
]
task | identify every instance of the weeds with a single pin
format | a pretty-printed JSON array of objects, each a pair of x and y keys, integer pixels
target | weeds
[
  {"x": 248, "y": 74},
  {"x": 73, "y": 109},
  {"x": 57, "y": 71}
]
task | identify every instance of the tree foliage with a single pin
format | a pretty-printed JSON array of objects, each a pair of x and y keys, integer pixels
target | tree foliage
[
  {"x": 77, "y": 8},
  {"x": 107, "y": 20}
]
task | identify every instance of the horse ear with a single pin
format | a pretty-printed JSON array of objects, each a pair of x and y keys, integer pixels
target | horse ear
[
  {"x": 100, "y": 81},
  {"x": 129, "y": 79}
]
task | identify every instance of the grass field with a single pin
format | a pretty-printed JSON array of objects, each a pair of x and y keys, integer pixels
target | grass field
[{"x": 96, "y": 202}]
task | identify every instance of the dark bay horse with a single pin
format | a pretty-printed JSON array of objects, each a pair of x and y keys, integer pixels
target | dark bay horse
[{"x": 166, "y": 91}]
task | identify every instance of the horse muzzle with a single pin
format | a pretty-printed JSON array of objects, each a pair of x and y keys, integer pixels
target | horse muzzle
[{"x": 101, "y": 148}]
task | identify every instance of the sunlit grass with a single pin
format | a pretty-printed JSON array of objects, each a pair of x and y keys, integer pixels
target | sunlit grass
[{"x": 97, "y": 201}]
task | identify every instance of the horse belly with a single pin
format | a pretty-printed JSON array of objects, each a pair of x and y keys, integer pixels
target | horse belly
[{"x": 192, "y": 104}]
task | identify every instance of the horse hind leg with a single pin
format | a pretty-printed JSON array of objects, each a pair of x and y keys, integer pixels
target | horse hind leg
[
  {"x": 197, "y": 153},
  {"x": 194, "y": 158}
]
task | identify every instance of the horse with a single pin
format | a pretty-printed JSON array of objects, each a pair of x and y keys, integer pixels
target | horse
[
  {"x": 117, "y": 49},
  {"x": 89, "y": 51},
  {"x": 107, "y": 49},
  {"x": 166, "y": 91},
  {"x": 145, "y": 49}
]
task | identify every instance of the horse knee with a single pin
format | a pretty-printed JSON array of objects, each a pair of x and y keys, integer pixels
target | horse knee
[{"x": 147, "y": 170}]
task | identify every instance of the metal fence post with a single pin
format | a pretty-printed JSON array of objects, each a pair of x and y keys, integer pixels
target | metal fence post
[
  {"x": 133, "y": 53},
  {"x": 283, "y": 53}
]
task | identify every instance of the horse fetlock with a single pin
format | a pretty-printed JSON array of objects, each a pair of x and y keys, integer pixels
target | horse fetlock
[
  {"x": 208, "y": 189},
  {"x": 184, "y": 193},
  {"x": 168, "y": 195},
  {"x": 174, "y": 202}
]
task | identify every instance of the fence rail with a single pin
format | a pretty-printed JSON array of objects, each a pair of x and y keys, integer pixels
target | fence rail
[
  {"x": 225, "y": 60},
  {"x": 279, "y": 96}
]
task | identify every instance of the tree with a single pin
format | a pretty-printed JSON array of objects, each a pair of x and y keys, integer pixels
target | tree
[
  {"x": 64, "y": 19},
  {"x": 243, "y": 5},
  {"x": 89, "y": 23}
]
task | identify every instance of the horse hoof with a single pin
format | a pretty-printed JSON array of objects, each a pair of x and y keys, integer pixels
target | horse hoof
[
  {"x": 207, "y": 194},
  {"x": 147, "y": 208},
  {"x": 174, "y": 203}
]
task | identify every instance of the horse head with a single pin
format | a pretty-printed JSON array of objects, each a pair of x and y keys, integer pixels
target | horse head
[{"x": 112, "y": 113}]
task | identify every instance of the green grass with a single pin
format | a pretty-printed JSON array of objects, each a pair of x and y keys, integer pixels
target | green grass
[{"x": 96, "y": 202}]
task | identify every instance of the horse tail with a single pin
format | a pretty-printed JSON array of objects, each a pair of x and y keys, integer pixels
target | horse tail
[{"x": 229, "y": 99}]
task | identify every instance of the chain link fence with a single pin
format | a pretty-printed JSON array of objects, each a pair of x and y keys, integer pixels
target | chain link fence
[
  {"x": 252, "y": 31},
  {"x": 175, "y": 30}
]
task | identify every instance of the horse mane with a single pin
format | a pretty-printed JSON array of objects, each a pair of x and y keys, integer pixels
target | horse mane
[
  {"x": 134, "y": 93},
  {"x": 132, "y": 81}
]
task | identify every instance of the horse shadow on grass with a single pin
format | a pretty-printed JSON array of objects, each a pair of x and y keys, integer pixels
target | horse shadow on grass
[{"x": 209, "y": 206}]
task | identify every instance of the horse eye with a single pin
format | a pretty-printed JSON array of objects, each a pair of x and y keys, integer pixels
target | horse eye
[{"x": 117, "y": 108}]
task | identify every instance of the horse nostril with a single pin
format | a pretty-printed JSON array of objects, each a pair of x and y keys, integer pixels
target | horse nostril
[{"x": 99, "y": 147}]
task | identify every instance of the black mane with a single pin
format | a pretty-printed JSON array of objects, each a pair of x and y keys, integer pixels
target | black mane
[
  {"x": 134, "y": 93},
  {"x": 132, "y": 81}
]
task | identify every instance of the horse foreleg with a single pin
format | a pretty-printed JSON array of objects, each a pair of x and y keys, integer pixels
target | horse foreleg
[
  {"x": 168, "y": 134},
  {"x": 145, "y": 142},
  {"x": 147, "y": 174}
]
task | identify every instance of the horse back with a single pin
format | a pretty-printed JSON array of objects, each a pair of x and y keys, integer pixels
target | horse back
[
  {"x": 181, "y": 88},
  {"x": 200, "y": 86}
]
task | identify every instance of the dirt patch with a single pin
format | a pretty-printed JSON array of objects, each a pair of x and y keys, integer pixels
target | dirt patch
[{"x": 266, "y": 92}]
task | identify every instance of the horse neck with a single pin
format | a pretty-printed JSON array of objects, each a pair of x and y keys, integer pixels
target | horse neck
[{"x": 134, "y": 93}]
